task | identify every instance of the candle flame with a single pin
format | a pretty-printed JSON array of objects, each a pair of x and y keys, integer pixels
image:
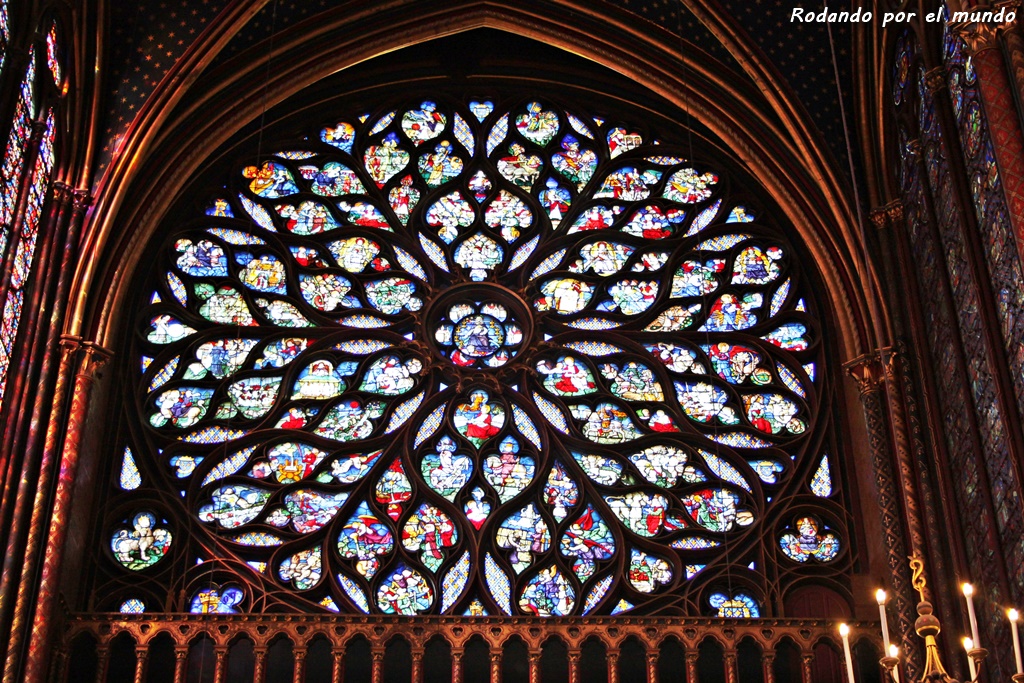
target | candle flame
[
  {"x": 844, "y": 630},
  {"x": 968, "y": 644},
  {"x": 1012, "y": 614},
  {"x": 894, "y": 651},
  {"x": 880, "y": 596},
  {"x": 968, "y": 590}
]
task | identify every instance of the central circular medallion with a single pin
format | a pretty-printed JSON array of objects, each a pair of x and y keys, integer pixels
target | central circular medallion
[
  {"x": 479, "y": 326},
  {"x": 479, "y": 336}
]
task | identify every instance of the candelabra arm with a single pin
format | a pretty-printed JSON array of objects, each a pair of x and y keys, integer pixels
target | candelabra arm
[
  {"x": 889, "y": 664},
  {"x": 928, "y": 627},
  {"x": 978, "y": 655}
]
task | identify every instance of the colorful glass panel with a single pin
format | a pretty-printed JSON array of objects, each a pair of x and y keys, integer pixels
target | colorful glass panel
[
  {"x": 16, "y": 150},
  {"x": 53, "y": 56},
  {"x": 24, "y": 255},
  {"x": 446, "y": 432}
]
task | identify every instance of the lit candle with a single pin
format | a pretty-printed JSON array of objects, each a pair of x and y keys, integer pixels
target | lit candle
[
  {"x": 880, "y": 597},
  {"x": 1014, "y": 616},
  {"x": 894, "y": 652},
  {"x": 969, "y": 645},
  {"x": 969, "y": 593},
  {"x": 844, "y": 631}
]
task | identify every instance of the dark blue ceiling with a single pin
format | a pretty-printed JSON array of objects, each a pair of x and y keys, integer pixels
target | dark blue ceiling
[{"x": 148, "y": 37}]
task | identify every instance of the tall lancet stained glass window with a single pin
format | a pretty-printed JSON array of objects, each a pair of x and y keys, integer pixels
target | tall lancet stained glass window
[
  {"x": 470, "y": 358},
  {"x": 11, "y": 170},
  {"x": 29, "y": 154},
  {"x": 5, "y": 32}
]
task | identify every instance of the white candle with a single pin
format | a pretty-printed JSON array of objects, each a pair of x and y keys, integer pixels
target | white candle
[
  {"x": 969, "y": 645},
  {"x": 894, "y": 652},
  {"x": 1014, "y": 616},
  {"x": 844, "y": 631},
  {"x": 969, "y": 593},
  {"x": 880, "y": 598}
]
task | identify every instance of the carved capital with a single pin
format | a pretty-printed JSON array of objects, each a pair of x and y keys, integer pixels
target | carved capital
[
  {"x": 978, "y": 34},
  {"x": 879, "y": 218},
  {"x": 887, "y": 216},
  {"x": 894, "y": 210},
  {"x": 62, "y": 191},
  {"x": 94, "y": 357},
  {"x": 888, "y": 358},
  {"x": 935, "y": 79},
  {"x": 83, "y": 199},
  {"x": 867, "y": 371},
  {"x": 979, "y": 37}
]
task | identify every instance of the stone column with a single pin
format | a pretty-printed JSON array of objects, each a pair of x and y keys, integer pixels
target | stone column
[
  {"x": 535, "y": 666},
  {"x": 37, "y": 446},
  {"x": 417, "y": 665},
  {"x": 260, "y": 664},
  {"x": 574, "y": 666},
  {"x": 299, "y": 672},
  {"x": 92, "y": 358},
  {"x": 338, "y": 673},
  {"x": 102, "y": 662},
  {"x": 807, "y": 658},
  {"x": 768, "y": 662},
  {"x": 612, "y": 657},
  {"x": 496, "y": 666},
  {"x": 652, "y": 666},
  {"x": 180, "y": 662},
  {"x": 730, "y": 666},
  {"x": 141, "y": 654},
  {"x": 457, "y": 654},
  {"x": 377, "y": 660},
  {"x": 691, "y": 664},
  {"x": 869, "y": 375},
  {"x": 220, "y": 654}
]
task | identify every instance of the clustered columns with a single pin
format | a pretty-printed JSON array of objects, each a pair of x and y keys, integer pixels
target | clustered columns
[
  {"x": 872, "y": 372},
  {"x": 194, "y": 639},
  {"x": 920, "y": 486}
]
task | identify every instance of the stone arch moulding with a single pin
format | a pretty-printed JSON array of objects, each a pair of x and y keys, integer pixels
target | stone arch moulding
[{"x": 193, "y": 112}]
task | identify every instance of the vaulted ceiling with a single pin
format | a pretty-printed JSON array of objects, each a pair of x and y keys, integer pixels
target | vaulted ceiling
[{"x": 147, "y": 38}]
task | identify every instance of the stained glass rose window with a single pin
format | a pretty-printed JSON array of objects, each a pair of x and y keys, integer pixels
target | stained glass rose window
[{"x": 477, "y": 359}]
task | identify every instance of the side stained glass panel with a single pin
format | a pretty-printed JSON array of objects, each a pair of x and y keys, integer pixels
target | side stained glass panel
[
  {"x": 993, "y": 220},
  {"x": 25, "y": 253},
  {"x": 950, "y": 306},
  {"x": 53, "y": 55},
  {"x": 443, "y": 435},
  {"x": 15, "y": 151},
  {"x": 5, "y": 32}
]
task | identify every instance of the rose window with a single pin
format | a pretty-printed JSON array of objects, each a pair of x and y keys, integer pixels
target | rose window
[{"x": 478, "y": 359}]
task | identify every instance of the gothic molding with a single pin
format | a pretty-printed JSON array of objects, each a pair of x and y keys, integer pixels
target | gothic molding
[
  {"x": 887, "y": 216},
  {"x": 190, "y": 114},
  {"x": 886, "y": 439},
  {"x": 980, "y": 36},
  {"x": 866, "y": 371},
  {"x": 935, "y": 79}
]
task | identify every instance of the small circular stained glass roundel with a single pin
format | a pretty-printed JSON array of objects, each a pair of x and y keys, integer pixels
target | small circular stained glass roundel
[{"x": 479, "y": 335}]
